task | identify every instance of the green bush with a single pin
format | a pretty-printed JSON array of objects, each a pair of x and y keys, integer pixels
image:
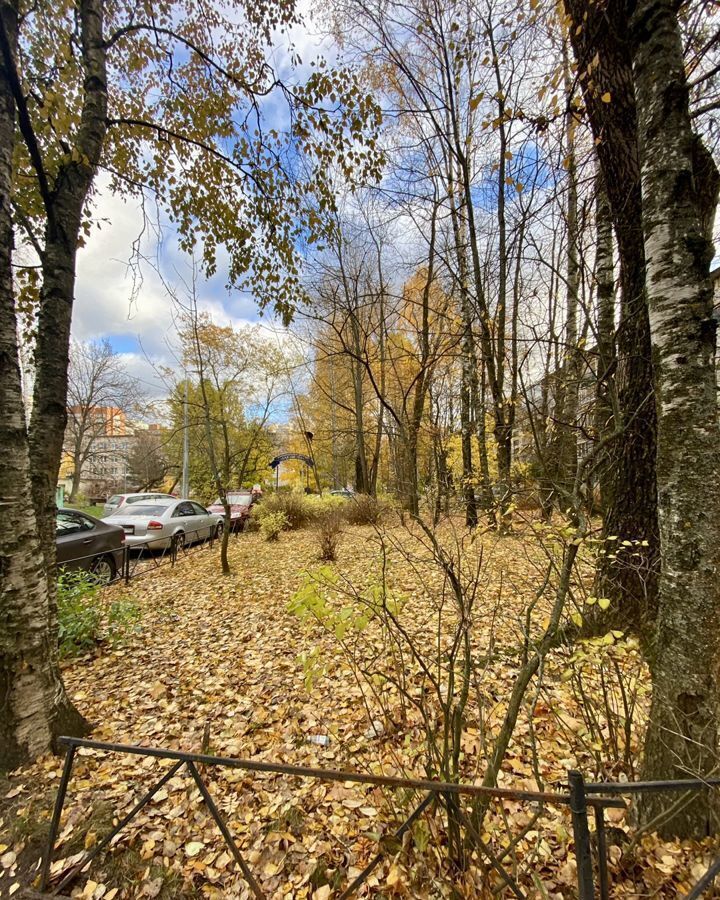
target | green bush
[
  {"x": 83, "y": 622},
  {"x": 79, "y": 615},
  {"x": 297, "y": 509},
  {"x": 319, "y": 506},
  {"x": 272, "y": 524},
  {"x": 123, "y": 619}
]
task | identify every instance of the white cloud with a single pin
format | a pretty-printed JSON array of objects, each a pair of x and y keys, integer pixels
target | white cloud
[{"x": 138, "y": 319}]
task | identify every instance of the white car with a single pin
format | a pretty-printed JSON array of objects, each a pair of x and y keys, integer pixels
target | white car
[
  {"x": 119, "y": 500},
  {"x": 160, "y": 523}
]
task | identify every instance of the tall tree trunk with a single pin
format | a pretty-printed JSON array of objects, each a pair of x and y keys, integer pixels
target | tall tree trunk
[
  {"x": 561, "y": 452},
  {"x": 605, "y": 327},
  {"x": 409, "y": 487},
  {"x": 35, "y": 708},
  {"x": 468, "y": 362},
  {"x": 62, "y": 233},
  {"x": 468, "y": 372},
  {"x": 629, "y": 580},
  {"x": 680, "y": 189},
  {"x": 479, "y": 414}
]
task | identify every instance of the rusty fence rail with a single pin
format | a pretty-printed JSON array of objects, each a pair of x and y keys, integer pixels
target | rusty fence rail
[{"x": 579, "y": 798}]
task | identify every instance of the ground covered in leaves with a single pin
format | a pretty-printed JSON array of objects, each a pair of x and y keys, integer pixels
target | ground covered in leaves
[{"x": 222, "y": 665}]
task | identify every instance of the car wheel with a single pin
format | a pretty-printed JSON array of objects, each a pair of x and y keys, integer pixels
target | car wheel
[
  {"x": 179, "y": 540},
  {"x": 219, "y": 530},
  {"x": 104, "y": 569}
]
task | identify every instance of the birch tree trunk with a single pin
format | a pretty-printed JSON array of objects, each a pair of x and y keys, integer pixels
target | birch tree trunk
[
  {"x": 606, "y": 360},
  {"x": 35, "y": 707},
  {"x": 64, "y": 208},
  {"x": 679, "y": 191},
  {"x": 561, "y": 453}
]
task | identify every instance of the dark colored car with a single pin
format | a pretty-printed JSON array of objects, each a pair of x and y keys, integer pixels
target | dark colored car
[
  {"x": 84, "y": 542},
  {"x": 240, "y": 503}
]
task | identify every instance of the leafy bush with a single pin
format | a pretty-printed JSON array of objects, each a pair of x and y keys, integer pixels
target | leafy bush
[
  {"x": 79, "y": 616},
  {"x": 364, "y": 510},
  {"x": 318, "y": 506},
  {"x": 330, "y": 529},
  {"x": 123, "y": 618},
  {"x": 82, "y": 624},
  {"x": 272, "y": 524},
  {"x": 296, "y": 509}
]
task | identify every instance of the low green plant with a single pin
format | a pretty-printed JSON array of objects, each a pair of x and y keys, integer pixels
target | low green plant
[
  {"x": 272, "y": 524},
  {"x": 123, "y": 619},
  {"x": 79, "y": 614},
  {"x": 83, "y": 621}
]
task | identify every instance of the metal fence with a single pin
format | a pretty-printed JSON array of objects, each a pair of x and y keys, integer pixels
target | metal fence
[
  {"x": 581, "y": 799},
  {"x": 142, "y": 557},
  {"x": 593, "y": 791}
]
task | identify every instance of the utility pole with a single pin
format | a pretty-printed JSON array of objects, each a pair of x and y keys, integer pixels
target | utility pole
[{"x": 186, "y": 445}]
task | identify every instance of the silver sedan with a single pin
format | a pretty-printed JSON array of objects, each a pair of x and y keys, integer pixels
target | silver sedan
[{"x": 160, "y": 523}]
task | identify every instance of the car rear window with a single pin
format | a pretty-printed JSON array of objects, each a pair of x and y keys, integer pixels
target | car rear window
[
  {"x": 155, "y": 510},
  {"x": 143, "y": 498},
  {"x": 66, "y": 522}
]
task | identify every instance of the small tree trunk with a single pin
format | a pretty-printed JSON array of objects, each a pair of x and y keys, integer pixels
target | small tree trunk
[
  {"x": 224, "y": 561},
  {"x": 468, "y": 489},
  {"x": 410, "y": 491},
  {"x": 679, "y": 189},
  {"x": 75, "y": 489}
]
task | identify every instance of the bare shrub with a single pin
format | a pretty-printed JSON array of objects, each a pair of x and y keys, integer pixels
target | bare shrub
[
  {"x": 330, "y": 529},
  {"x": 364, "y": 510}
]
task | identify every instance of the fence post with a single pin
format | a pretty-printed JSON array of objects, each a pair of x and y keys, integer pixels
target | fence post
[
  {"x": 126, "y": 563},
  {"x": 581, "y": 835},
  {"x": 57, "y": 812}
]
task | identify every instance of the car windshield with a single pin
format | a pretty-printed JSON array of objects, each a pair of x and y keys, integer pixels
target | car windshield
[
  {"x": 156, "y": 510},
  {"x": 115, "y": 499},
  {"x": 244, "y": 498}
]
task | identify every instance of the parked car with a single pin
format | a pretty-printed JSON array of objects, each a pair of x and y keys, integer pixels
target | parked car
[
  {"x": 119, "y": 500},
  {"x": 240, "y": 504},
  {"x": 165, "y": 521},
  {"x": 84, "y": 542}
]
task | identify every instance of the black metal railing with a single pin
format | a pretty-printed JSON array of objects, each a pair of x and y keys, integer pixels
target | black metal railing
[
  {"x": 576, "y": 799},
  {"x": 581, "y": 798},
  {"x": 594, "y": 790},
  {"x": 141, "y": 557}
]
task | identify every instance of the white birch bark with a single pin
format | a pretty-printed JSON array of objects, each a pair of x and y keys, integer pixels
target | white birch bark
[{"x": 679, "y": 190}]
